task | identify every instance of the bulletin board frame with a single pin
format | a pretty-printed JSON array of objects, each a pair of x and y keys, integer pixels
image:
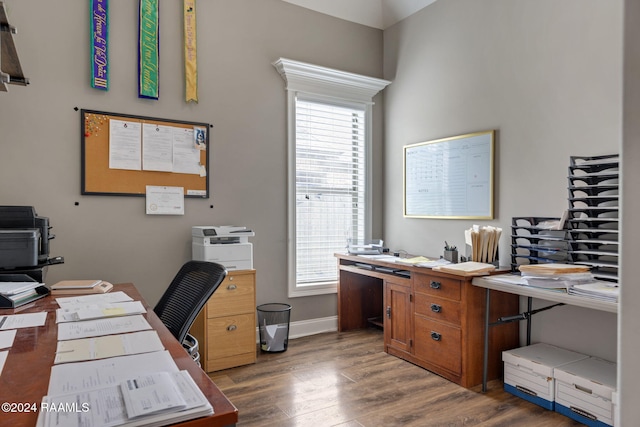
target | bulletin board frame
[
  {"x": 450, "y": 178},
  {"x": 98, "y": 178}
]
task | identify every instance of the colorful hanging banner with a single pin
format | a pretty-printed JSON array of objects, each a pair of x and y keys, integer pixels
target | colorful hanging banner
[
  {"x": 100, "y": 44},
  {"x": 148, "y": 50},
  {"x": 190, "y": 59}
]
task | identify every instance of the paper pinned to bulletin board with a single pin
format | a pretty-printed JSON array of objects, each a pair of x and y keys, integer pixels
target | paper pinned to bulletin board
[{"x": 122, "y": 154}]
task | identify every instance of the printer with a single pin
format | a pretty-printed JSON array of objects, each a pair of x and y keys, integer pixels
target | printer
[
  {"x": 227, "y": 245},
  {"x": 24, "y": 242}
]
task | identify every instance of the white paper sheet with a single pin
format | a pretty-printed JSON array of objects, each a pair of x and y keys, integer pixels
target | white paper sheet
[
  {"x": 108, "y": 346},
  {"x": 65, "y": 302},
  {"x": 165, "y": 200},
  {"x": 3, "y": 358},
  {"x": 186, "y": 157},
  {"x": 80, "y": 312},
  {"x": 151, "y": 394},
  {"x": 101, "y": 327},
  {"x": 125, "y": 145},
  {"x": 157, "y": 147},
  {"x": 6, "y": 338},
  {"x": 26, "y": 320},
  {"x": 85, "y": 376}
]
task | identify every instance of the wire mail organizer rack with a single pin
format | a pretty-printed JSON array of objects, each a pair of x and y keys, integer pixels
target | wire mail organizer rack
[
  {"x": 593, "y": 220},
  {"x": 536, "y": 240}
]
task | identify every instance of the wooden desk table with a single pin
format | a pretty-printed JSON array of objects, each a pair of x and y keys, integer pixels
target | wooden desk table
[{"x": 25, "y": 377}]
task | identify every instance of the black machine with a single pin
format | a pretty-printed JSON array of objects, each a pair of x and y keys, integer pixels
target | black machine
[{"x": 24, "y": 242}]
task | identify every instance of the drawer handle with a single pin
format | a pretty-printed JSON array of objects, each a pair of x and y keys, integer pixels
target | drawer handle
[
  {"x": 435, "y": 285},
  {"x": 436, "y": 308},
  {"x": 232, "y": 287},
  {"x": 231, "y": 328},
  {"x": 230, "y": 278},
  {"x": 436, "y": 336}
]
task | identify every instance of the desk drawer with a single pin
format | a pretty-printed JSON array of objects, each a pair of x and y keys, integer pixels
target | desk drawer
[
  {"x": 236, "y": 294},
  {"x": 437, "y": 308},
  {"x": 231, "y": 335},
  {"x": 438, "y": 286},
  {"x": 439, "y": 344}
]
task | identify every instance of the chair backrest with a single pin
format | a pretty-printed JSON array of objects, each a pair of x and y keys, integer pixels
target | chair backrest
[{"x": 187, "y": 294}]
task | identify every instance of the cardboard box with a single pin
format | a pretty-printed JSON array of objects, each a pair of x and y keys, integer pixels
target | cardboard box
[
  {"x": 529, "y": 371},
  {"x": 584, "y": 391}
]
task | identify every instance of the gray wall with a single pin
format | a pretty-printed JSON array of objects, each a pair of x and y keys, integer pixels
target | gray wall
[
  {"x": 240, "y": 93},
  {"x": 547, "y": 76},
  {"x": 628, "y": 331}
]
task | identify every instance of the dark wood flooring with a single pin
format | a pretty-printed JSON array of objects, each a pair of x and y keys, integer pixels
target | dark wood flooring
[{"x": 347, "y": 380}]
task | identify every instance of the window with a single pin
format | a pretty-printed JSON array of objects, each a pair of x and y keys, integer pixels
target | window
[
  {"x": 330, "y": 174},
  {"x": 329, "y": 126}
]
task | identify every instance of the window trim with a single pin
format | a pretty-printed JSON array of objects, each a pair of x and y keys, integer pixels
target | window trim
[{"x": 334, "y": 86}]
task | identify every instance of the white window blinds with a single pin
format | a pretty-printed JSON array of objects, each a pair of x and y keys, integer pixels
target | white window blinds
[{"x": 330, "y": 185}]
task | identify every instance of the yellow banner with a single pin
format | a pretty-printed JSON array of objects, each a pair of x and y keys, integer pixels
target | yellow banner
[{"x": 190, "y": 60}]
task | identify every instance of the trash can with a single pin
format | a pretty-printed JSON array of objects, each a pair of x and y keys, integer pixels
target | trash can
[{"x": 273, "y": 323}]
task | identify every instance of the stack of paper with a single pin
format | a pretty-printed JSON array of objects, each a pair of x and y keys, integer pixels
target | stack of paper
[
  {"x": 484, "y": 242},
  {"x": 470, "y": 268},
  {"x": 604, "y": 291},
  {"x": 552, "y": 269},
  {"x": 555, "y": 276},
  {"x": 19, "y": 293},
  {"x": 141, "y": 390}
]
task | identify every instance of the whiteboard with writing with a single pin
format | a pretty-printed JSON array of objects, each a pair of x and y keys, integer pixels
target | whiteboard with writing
[{"x": 450, "y": 177}]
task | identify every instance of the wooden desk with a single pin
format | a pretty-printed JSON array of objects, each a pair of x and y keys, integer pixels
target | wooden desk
[
  {"x": 25, "y": 377},
  {"x": 430, "y": 318}
]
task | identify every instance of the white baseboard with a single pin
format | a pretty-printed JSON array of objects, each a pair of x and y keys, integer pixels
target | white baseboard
[{"x": 304, "y": 328}]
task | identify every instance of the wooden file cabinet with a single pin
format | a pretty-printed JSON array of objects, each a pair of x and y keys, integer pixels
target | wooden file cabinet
[
  {"x": 226, "y": 326},
  {"x": 446, "y": 313}
]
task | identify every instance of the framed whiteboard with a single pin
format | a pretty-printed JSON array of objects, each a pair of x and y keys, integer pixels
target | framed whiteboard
[{"x": 450, "y": 178}]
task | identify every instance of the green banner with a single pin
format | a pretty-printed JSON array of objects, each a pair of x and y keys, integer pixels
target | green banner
[{"x": 148, "y": 50}]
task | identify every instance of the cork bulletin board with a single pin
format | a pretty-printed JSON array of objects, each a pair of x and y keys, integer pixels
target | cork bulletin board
[{"x": 122, "y": 154}]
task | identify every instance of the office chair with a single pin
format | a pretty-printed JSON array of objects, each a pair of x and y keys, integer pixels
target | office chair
[{"x": 184, "y": 298}]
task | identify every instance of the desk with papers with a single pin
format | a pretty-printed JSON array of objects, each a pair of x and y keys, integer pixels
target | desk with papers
[
  {"x": 507, "y": 284},
  {"x": 35, "y": 367}
]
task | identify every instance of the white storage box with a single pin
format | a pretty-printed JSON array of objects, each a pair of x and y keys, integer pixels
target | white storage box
[
  {"x": 528, "y": 371},
  {"x": 584, "y": 391}
]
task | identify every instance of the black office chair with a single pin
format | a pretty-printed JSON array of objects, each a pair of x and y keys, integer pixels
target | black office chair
[{"x": 184, "y": 298}]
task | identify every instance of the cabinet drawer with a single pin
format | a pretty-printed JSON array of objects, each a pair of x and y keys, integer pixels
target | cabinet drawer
[
  {"x": 437, "y": 308},
  {"x": 438, "y": 286},
  {"x": 438, "y": 343},
  {"x": 231, "y": 335},
  {"x": 236, "y": 294}
]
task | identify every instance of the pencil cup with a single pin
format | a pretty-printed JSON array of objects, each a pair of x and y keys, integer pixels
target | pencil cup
[{"x": 451, "y": 256}]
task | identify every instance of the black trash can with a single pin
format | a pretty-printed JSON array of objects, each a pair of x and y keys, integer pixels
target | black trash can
[{"x": 273, "y": 323}]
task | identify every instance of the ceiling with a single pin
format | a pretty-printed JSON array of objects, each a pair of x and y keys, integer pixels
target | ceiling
[{"x": 374, "y": 13}]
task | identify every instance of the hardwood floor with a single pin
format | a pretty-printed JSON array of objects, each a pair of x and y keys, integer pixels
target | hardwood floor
[{"x": 346, "y": 380}]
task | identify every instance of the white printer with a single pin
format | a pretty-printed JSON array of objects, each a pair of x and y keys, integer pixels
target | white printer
[{"x": 227, "y": 245}]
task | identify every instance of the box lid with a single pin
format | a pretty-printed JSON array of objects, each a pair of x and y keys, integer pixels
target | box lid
[
  {"x": 541, "y": 358},
  {"x": 592, "y": 375}
]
